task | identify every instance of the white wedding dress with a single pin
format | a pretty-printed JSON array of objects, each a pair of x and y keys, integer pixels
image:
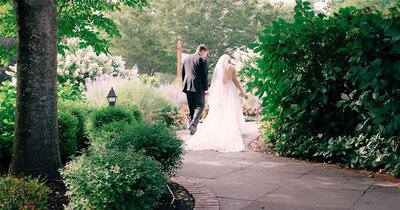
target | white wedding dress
[{"x": 223, "y": 126}]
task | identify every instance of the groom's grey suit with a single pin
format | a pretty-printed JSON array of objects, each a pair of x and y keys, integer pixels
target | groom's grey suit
[{"x": 194, "y": 77}]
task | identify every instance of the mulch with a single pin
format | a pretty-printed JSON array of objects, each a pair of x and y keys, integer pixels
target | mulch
[
  {"x": 57, "y": 198},
  {"x": 180, "y": 200}
]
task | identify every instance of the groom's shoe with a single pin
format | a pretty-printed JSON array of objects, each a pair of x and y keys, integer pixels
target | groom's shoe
[{"x": 192, "y": 129}]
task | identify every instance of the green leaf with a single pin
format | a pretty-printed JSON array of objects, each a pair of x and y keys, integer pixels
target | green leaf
[
  {"x": 253, "y": 45},
  {"x": 344, "y": 97},
  {"x": 359, "y": 127}
]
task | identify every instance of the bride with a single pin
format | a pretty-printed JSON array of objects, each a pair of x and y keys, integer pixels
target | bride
[{"x": 222, "y": 128}]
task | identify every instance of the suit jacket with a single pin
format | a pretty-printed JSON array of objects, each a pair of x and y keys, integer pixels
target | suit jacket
[{"x": 194, "y": 74}]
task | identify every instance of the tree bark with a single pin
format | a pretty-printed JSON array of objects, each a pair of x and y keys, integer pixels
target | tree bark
[{"x": 35, "y": 150}]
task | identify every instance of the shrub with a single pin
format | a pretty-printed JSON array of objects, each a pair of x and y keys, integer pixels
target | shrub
[
  {"x": 154, "y": 140},
  {"x": 7, "y": 115},
  {"x": 68, "y": 92},
  {"x": 112, "y": 179},
  {"x": 22, "y": 193},
  {"x": 375, "y": 152},
  {"x": 108, "y": 115},
  {"x": 335, "y": 77},
  {"x": 107, "y": 134},
  {"x": 156, "y": 80},
  {"x": 351, "y": 94},
  {"x": 171, "y": 116},
  {"x": 67, "y": 128},
  {"x": 133, "y": 109},
  {"x": 81, "y": 111}
]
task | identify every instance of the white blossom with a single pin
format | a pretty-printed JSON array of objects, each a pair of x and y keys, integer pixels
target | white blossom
[
  {"x": 75, "y": 74},
  {"x": 79, "y": 64}
]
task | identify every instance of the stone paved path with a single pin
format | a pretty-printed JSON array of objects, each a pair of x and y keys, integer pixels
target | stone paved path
[{"x": 249, "y": 180}]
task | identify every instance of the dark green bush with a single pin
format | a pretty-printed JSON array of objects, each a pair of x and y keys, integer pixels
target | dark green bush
[
  {"x": 69, "y": 92},
  {"x": 113, "y": 179},
  {"x": 108, "y": 133},
  {"x": 67, "y": 129},
  {"x": 154, "y": 140},
  {"x": 7, "y": 115},
  {"x": 168, "y": 116},
  {"x": 133, "y": 109},
  {"x": 22, "y": 193},
  {"x": 110, "y": 114},
  {"x": 374, "y": 152},
  {"x": 326, "y": 79},
  {"x": 81, "y": 111}
]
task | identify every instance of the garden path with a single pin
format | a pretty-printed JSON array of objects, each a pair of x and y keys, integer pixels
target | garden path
[{"x": 250, "y": 180}]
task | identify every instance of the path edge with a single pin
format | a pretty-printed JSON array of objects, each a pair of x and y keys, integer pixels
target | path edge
[{"x": 204, "y": 199}]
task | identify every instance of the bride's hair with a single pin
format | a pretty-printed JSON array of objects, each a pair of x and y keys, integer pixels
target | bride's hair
[
  {"x": 201, "y": 47},
  {"x": 228, "y": 68},
  {"x": 222, "y": 72},
  {"x": 221, "y": 75}
]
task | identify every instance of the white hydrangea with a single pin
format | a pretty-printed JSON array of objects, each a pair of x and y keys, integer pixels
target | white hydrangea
[
  {"x": 103, "y": 57},
  {"x": 75, "y": 74},
  {"x": 80, "y": 64},
  {"x": 244, "y": 58}
]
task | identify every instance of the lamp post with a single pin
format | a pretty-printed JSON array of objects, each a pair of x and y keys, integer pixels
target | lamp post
[{"x": 111, "y": 97}]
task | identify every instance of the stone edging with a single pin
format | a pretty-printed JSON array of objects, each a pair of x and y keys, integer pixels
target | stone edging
[{"x": 204, "y": 199}]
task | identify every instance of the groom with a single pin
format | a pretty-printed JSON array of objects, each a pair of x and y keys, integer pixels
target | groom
[{"x": 194, "y": 77}]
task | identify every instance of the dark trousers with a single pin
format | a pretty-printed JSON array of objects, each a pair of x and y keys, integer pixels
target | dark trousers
[{"x": 196, "y": 103}]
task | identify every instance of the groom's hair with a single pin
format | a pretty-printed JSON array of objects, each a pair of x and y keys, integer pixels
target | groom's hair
[{"x": 201, "y": 47}]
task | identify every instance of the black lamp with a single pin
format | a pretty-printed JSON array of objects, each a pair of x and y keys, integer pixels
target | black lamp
[{"x": 111, "y": 97}]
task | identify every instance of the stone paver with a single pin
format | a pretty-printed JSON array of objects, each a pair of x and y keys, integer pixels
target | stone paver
[
  {"x": 239, "y": 190},
  {"x": 205, "y": 199},
  {"x": 249, "y": 180},
  {"x": 233, "y": 204},
  {"x": 379, "y": 198},
  {"x": 329, "y": 182},
  {"x": 312, "y": 196}
]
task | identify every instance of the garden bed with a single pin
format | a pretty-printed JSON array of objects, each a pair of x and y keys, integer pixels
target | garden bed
[
  {"x": 180, "y": 200},
  {"x": 57, "y": 198}
]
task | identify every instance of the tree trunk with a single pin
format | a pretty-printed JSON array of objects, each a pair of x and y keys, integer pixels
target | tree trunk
[{"x": 35, "y": 149}]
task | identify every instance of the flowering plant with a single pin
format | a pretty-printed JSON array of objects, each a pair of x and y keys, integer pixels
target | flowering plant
[
  {"x": 244, "y": 60},
  {"x": 77, "y": 65}
]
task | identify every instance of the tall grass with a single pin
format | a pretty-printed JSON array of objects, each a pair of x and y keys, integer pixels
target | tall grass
[
  {"x": 128, "y": 91},
  {"x": 173, "y": 93}
]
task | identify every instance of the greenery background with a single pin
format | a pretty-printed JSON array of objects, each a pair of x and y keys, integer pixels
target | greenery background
[{"x": 350, "y": 116}]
